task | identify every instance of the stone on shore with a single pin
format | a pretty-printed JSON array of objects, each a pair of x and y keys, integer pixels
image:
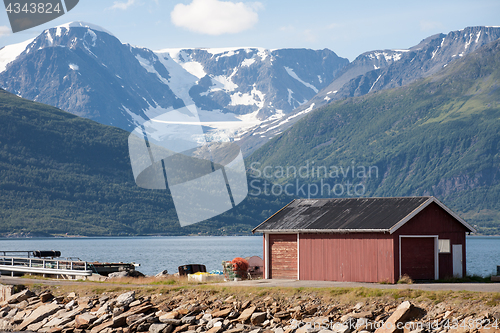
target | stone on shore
[
  {"x": 125, "y": 299},
  {"x": 84, "y": 320},
  {"x": 38, "y": 314},
  {"x": 258, "y": 318},
  {"x": 246, "y": 314},
  {"x": 400, "y": 315}
]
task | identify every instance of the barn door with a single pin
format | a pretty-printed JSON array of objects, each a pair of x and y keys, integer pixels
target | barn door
[
  {"x": 418, "y": 257},
  {"x": 283, "y": 256},
  {"x": 457, "y": 260}
]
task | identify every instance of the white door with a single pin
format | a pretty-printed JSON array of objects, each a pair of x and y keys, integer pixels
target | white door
[{"x": 457, "y": 260}]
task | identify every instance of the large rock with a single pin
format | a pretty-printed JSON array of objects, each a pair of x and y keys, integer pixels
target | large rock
[
  {"x": 170, "y": 315},
  {"x": 5, "y": 325},
  {"x": 103, "y": 309},
  {"x": 118, "y": 274},
  {"x": 170, "y": 321},
  {"x": 46, "y": 296},
  {"x": 135, "y": 303},
  {"x": 215, "y": 329},
  {"x": 125, "y": 299},
  {"x": 188, "y": 320},
  {"x": 19, "y": 297},
  {"x": 222, "y": 313},
  {"x": 84, "y": 320},
  {"x": 246, "y": 314},
  {"x": 159, "y": 328},
  {"x": 258, "y": 318},
  {"x": 70, "y": 304},
  {"x": 58, "y": 321},
  {"x": 37, "y": 326},
  {"x": 39, "y": 314},
  {"x": 401, "y": 314},
  {"x": 133, "y": 318},
  {"x": 162, "y": 274},
  {"x": 112, "y": 323}
]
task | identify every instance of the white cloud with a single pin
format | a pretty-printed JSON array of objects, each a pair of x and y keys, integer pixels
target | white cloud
[
  {"x": 4, "y": 30},
  {"x": 122, "y": 5},
  {"x": 215, "y": 17}
]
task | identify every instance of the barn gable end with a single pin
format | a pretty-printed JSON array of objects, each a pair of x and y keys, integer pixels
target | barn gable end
[{"x": 364, "y": 240}]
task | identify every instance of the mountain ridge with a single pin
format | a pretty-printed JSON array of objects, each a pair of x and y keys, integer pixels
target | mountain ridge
[
  {"x": 92, "y": 74},
  {"x": 437, "y": 136},
  {"x": 382, "y": 69}
]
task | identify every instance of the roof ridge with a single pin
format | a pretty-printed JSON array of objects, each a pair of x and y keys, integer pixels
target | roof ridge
[
  {"x": 378, "y": 214},
  {"x": 357, "y": 198}
]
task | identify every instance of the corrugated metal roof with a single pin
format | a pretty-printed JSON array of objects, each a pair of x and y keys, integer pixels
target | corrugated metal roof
[{"x": 342, "y": 215}]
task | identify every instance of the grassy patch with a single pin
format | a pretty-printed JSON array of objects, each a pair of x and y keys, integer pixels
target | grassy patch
[
  {"x": 467, "y": 279},
  {"x": 405, "y": 279}
]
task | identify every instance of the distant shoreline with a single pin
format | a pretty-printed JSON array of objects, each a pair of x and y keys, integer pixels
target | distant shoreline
[{"x": 159, "y": 236}]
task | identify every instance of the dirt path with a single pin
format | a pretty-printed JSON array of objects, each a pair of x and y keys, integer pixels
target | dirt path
[
  {"x": 479, "y": 287},
  {"x": 24, "y": 281}
]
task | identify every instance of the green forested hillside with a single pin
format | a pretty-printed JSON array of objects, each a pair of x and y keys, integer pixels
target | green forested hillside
[
  {"x": 439, "y": 136},
  {"x": 63, "y": 174}
]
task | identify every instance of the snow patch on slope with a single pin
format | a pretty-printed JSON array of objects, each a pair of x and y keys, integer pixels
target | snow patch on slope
[
  {"x": 262, "y": 54},
  {"x": 194, "y": 68},
  {"x": 79, "y": 24},
  {"x": 290, "y": 92},
  {"x": 224, "y": 82},
  {"x": 255, "y": 97},
  {"x": 137, "y": 120},
  {"x": 247, "y": 62},
  {"x": 292, "y": 74},
  {"x": 10, "y": 52},
  {"x": 180, "y": 80},
  {"x": 226, "y": 51},
  {"x": 286, "y": 120},
  {"x": 374, "y": 83},
  {"x": 184, "y": 59},
  {"x": 49, "y": 37},
  {"x": 388, "y": 57}
]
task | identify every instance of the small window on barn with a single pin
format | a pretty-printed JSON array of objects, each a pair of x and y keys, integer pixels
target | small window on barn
[{"x": 444, "y": 246}]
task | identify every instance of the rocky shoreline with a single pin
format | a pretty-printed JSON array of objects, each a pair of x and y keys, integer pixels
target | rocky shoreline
[{"x": 214, "y": 310}]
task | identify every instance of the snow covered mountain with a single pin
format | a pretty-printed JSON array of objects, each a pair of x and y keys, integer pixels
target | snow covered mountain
[
  {"x": 84, "y": 69},
  {"x": 378, "y": 70},
  {"x": 248, "y": 94}
]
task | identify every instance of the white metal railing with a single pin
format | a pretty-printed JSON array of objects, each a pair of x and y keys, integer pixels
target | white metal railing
[{"x": 44, "y": 266}]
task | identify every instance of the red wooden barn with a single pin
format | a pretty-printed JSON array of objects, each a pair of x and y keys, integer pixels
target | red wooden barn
[{"x": 364, "y": 240}]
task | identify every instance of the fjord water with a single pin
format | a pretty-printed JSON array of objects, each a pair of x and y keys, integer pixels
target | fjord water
[{"x": 155, "y": 254}]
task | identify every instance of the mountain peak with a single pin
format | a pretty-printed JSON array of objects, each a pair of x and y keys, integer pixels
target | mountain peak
[{"x": 80, "y": 24}]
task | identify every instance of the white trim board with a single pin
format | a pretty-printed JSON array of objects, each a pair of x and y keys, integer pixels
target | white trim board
[
  {"x": 266, "y": 255},
  {"x": 298, "y": 256}
]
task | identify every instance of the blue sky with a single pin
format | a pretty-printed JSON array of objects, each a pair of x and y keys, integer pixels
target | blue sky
[{"x": 346, "y": 27}]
